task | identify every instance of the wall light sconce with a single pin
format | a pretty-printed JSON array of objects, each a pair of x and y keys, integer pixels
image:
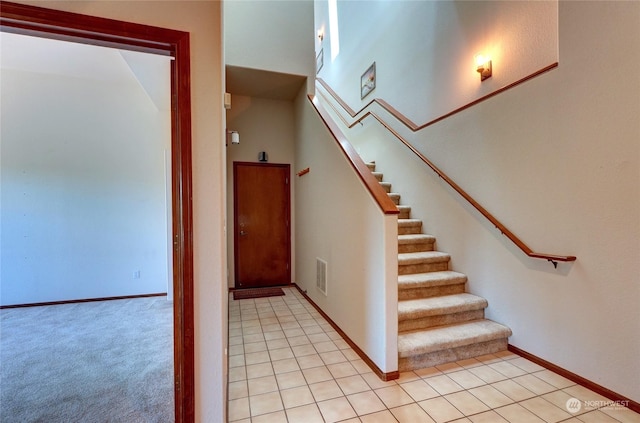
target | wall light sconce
[
  {"x": 233, "y": 137},
  {"x": 321, "y": 34},
  {"x": 483, "y": 67}
]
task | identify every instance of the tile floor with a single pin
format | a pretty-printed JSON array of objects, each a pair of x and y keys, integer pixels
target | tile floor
[{"x": 288, "y": 365}]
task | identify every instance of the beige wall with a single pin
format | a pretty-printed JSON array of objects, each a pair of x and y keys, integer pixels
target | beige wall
[
  {"x": 425, "y": 51},
  {"x": 95, "y": 163},
  {"x": 339, "y": 222},
  {"x": 203, "y": 20},
  {"x": 270, "y": 35},
  {"x": 557, "y": 160},
  {"x": 264, "y": 125}
]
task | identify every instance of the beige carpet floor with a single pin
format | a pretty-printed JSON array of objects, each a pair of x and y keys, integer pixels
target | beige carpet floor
[{"x": 108, "y": 361}]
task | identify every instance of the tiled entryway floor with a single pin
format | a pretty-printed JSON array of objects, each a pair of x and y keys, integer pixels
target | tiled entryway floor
[{"x": 287, "y": 364}]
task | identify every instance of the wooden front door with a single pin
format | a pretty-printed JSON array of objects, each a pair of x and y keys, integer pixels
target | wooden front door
[{"x": 261, "y": 224}]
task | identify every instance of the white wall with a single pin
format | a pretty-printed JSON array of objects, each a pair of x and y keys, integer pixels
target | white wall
[
  {"x": 202, "y": 19},
  {"x": 264, "y": 125},
  {"x": 428, "y": 48},
  {"x": 270, "y": 35},
  {"x": 83, "y": 189},
  {"x": 339, "y": 222},
  {"x": 557, "y": 160}
]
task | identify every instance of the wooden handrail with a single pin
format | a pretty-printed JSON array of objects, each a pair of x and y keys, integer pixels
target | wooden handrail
[
  {"x": 414, "y": 126},
  {"x": 553, "y": 258},
  {"x": 371, "y": 183}
]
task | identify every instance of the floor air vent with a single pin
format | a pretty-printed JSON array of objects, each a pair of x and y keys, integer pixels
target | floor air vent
[{"x": 321, "y": 275}]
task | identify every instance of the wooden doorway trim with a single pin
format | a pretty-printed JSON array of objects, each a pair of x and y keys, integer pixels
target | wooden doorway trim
[{"x": 66, "y": 26}]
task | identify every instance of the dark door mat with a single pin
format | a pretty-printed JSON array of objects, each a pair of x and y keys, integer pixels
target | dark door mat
[{"x": 245, "y": 294}]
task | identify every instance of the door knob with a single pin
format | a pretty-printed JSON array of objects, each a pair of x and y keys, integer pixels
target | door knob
[{"x": 242, "y": 233}]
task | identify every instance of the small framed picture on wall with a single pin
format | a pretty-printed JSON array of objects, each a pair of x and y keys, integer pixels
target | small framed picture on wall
[{"x": 368, "y": 81}]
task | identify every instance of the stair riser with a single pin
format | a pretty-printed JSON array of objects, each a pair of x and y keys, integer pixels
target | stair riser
[
  {"x": 415, "y": 248},
  {"x": 405, "y": 230},
  {"x": 409, "y": 269},
  {"x": 428, "y": 292},
  {"x": 450, "y": 355},
  {"x": 441, "y": 320},
  {"x": 432, "y": 338}
]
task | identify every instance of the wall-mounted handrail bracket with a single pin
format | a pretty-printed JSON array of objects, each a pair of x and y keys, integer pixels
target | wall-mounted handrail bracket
[
  {"x": 303, "y": 172},
  {"x": 555, "y": 263}
]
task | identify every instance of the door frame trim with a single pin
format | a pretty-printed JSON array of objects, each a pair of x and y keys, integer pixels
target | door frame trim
[
  {"x": 67, "y": 26},
  {"x": 235, "y": 216}
]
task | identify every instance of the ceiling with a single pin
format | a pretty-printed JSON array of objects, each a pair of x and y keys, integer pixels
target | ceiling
[
  {"x": 109, "y": 65},
  {"x": 264, "y": 84},
  {"x": 83, "y": 61}
]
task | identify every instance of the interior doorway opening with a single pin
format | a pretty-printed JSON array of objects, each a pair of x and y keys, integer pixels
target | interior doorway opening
[{"x": 47, "y": 23}]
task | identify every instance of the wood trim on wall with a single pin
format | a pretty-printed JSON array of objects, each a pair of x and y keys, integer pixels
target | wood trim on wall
[
  {"x": 414, "y": 127},
  {"x": 382, "y": 375},
  {"x": 67, "y": 26},
  {"x": 83, "y": 300},
  {"x": 598, "y": 389},
  {"x": 370, "y": 182},
  {"x": 182, "y": 193}
]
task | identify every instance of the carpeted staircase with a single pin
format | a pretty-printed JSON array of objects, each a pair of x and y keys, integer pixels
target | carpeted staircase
[{"x": 437, "y": 321}]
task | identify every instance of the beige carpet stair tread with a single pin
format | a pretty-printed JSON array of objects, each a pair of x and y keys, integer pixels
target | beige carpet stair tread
[
  {"x": 409, "y": 222},
  {"x": 405, "y": 212},
  {"x": 421, "y": 280},
  {"x": 446, "y": 304},
  {"x": 394, "y": 197},
  {"x": 438, "y": 321},
  {"x": 447, "y": 337},
  {"x": 416, "y": 239},
  {"x": 422, "y": 257}
]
